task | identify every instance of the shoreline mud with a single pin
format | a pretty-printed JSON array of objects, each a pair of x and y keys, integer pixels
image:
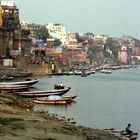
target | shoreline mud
[{"x": 18, "y": 120}]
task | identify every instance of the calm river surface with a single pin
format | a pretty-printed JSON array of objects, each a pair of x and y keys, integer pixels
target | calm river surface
[{"x": 104, "y": 100}]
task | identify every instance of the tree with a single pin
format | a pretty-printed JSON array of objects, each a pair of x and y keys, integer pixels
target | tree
[
  {"x": 42, "y": 33},
  {"x": 109, "y": 43}
]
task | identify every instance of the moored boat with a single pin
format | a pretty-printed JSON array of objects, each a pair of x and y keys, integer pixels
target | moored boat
[
  {"x": 53, "y": 100},
  {"x": 70, "y": 97},
  {"x": 23, "y": 74},
  {"x": 105, "y": 71},
  {"x": 33, "y": 94},
  {"x": 5, "y": 78},
  {"x": 122, "y": 134},
  {"x": 92, "y": 71},
  {"x": 13, "y": 87},
  {"x": 29, "y": 83},
  {"x": 59, "y": 85},
  {"x": 84, "y": 74},
  {"x": 69, "y": 73}
]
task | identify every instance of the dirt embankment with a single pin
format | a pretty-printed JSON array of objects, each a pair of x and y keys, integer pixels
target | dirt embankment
[{"x": 19, "y": 122}]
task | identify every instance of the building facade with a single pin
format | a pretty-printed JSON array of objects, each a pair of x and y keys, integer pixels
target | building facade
[
  {"x": 123, "y": 55},
  {"x": 58, "y": 30}
]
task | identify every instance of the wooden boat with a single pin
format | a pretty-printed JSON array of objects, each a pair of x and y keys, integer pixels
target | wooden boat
[
  {"x": 59, "y": 85},
  {"x": 77, "y": 72},
  {"x": 53, "y": 101},
  {"x": 105, "y": 71},
  {"x": 5, "y": 78},
  {"x": 33, "y": 94},
  {"x": 29, "y": 83},
  {"x": 58, "y": 74},
  {"x": 122, "y": 134},
  {"x": 70, "y": 97},
  {"x": 92, "y": 71},
  {"x": 127, "y": 136},
  {"x": 13, "y": 87},
  {"x": 84, "y": 74},
  {"x": 69, "y": 73},
  {"x": 23, "y": 74}
]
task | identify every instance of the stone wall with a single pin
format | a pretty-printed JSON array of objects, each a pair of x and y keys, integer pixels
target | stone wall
[
  {"x": 39, "y": 69},
  {"x": 5, "y": 42}
]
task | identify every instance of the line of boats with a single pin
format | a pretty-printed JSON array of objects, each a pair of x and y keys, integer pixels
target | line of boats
[
  {"x": 54, "y": 96},
  {"x": 85, "y": 71}
]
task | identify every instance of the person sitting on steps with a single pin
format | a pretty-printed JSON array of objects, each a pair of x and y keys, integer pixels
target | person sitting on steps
[{"x": 128, "y": 130}]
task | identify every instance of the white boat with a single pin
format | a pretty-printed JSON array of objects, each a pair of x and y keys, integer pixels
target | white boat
[
  {"x": 106, "y": 71},
  {"x": 77, "y": 72},
  {"x": 5, "y": 77},
  {"x": 53, "y": 100},
  {"x": 13, "y": 87},
  {"x": 29, "y": 83}
]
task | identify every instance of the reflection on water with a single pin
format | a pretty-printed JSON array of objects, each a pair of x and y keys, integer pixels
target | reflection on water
[{"x": 104, "y": 101}]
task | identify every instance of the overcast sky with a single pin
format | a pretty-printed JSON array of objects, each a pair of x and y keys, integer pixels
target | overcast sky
[{"x": 113, "y": 17}]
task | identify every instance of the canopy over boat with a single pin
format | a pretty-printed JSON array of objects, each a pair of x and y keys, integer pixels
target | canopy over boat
[{"x": 54, "y": 97}]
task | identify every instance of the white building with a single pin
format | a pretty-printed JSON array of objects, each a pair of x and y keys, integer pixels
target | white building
[
  {"x": 72, "y": 41},
  {"x": 102, "y": 38},
  {"x": 7, "y": 3},
  {"x": 58, "y": 30}
]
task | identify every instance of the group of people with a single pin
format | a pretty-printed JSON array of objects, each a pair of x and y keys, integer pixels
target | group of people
[{"x": 59, "y": 85}]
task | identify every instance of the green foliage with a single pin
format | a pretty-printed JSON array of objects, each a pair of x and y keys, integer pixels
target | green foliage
[
  {"x": 42, "y": 33},
  {"x": 109, "y": 43}
]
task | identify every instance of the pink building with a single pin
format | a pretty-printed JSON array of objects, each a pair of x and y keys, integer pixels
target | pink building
[
  {"x": 122, "y": 55},
  {"x": 137, "y": 51}
]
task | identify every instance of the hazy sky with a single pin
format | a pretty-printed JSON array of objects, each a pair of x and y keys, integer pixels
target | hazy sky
[{"x": 113, "y": 17}]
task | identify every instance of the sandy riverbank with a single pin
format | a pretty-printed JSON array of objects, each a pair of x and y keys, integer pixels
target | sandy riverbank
[{"x": 19, "y": 122}]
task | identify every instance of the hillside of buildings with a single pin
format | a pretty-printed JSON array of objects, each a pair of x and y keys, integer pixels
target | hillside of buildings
[
  {"x": 27, "y": 46},
  {"x": 45, "y": 49}
]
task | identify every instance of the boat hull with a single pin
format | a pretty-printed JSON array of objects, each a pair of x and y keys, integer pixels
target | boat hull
[
  {"x": 33, "y": 94},
  {"x": 13, "y": 87},
  {"x": 52, "y": 102},
  {"x": 29, "y": 83}
]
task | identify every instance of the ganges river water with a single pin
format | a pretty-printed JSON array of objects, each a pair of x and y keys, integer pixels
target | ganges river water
[{"x": 104, "y": 100}]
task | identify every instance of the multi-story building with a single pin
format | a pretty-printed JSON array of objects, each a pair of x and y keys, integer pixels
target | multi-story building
[
  {"x": 7, "y": 3},
  {"x": 72, "y": 41},
  {"x": 14, "y": 43},
  {"x": 102, "y": 38},
  {"x": 32, "y": 27},
  {"x": 58, "y": 30},
  {"x": 75, "y": 49},
  {"x": 123, "y": 55},
  {"x": 9, "y": 27}
]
